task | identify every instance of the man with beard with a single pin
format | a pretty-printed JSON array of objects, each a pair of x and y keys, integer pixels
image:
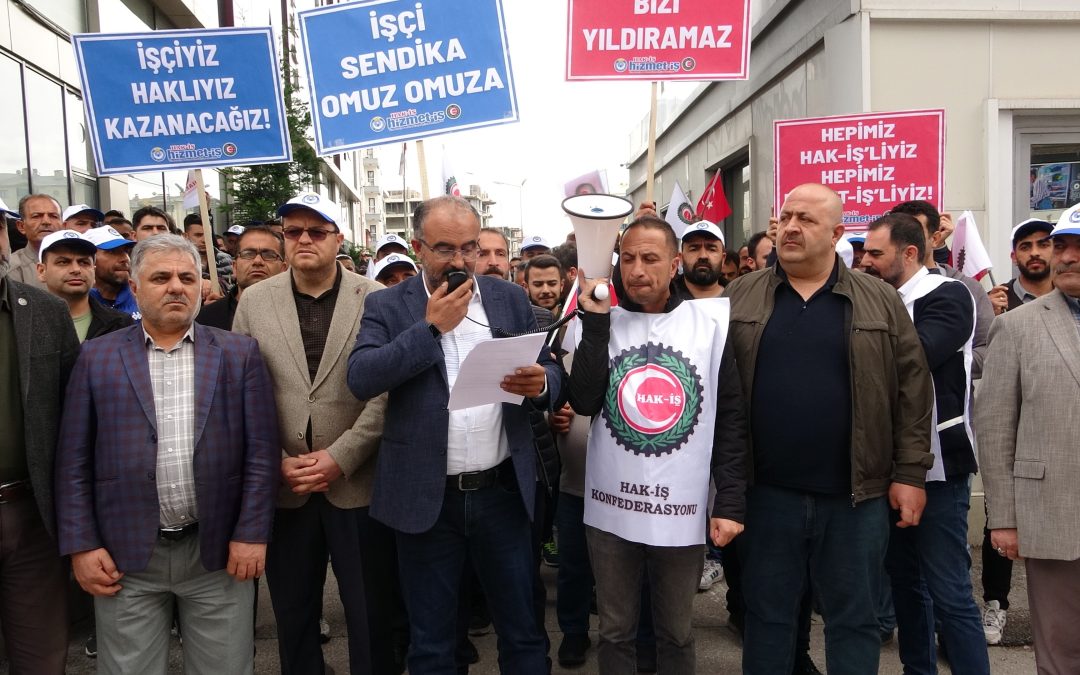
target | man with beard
[
  {"x": 67, "y": 269},
  {"x": 544, "y": 282},
  {"x": 702, "y": 254},
  {"x": 465, "y": 483},
  {"x": 730, "y": 268},
  {"x": 758, "y": 249},
  {"x": 260, "y": 254},
  {"x": 494, "y": 257},
  {"x": 112, "y": 269},
  {"x": 1031, "y": 250}
]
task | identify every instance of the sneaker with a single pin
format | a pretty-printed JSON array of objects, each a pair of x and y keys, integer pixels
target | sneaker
[
  {"x": 550, "y": 554},
  {"x": 324, "y": 630},
  {"x": 90, "y": 648},
  {"x": 711, "y": 574},
  {"x": 993, "y": 622},
  {"x": 572, "y": 650}
]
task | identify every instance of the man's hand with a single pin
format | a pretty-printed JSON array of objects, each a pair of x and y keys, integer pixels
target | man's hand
[
  {"x": 586, "y": 300},
  {"x": 306, "y": 473},
  {"x": 528, "y": 381},
  {"x": 96, "y": 572},
  {"x": 1006, "y": 543},
  {"x": 325, "y": 465},
  {"x": 209, "y": 294},
  {"x": 246, "y": 561},
  {"x": 646, "y": 209},
  {"x": 560, "y": 420},
  {"x": 909, "y": 501},
  {"x": 999, "y": 298},
  {"x": 722, "y": 530},
  {"x": 447, "y": 310},
  {"x": 774, "y": 227},
  {"x": 946, "y": 228}
]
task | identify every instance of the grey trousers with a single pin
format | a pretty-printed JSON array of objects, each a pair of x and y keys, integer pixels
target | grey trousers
[
  {"x": 1054, "y": 598},
  {"x": 674, "y": 573},
  {"x": 215, "y": 617}
]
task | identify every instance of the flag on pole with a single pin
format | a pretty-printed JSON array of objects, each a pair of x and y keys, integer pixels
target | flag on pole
[
  {"x": 679, "y": 212},
  {"x": 191, "y": 192},
  {"x": 401, "y": 163},
  {"x": 968, "y": 253},
  {"x": 449, "y": 176},
  {"x": 713, "y": 205}
]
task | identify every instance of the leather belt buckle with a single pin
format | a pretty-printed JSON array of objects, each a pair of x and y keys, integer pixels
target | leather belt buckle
[{"x": 15, "y": 491}]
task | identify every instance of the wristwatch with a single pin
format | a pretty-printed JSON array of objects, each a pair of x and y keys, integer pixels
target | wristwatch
[{"x": 435, "y": 332}]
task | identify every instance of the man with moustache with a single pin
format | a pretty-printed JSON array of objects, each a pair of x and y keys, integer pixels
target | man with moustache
[
  {"x": 840, "y": 406},
  {"x": 493, "y": 259},
  {"x": 67, "y": 269},
  {"x": 166, "y": 473},
  {"x": 39, "y": 216},
  {"x": 151, "y": 221},
  {"x": 929, "y": 566},
  {"x": 544, "y": 282},
  {"x": 260, "y": 254},
  {"x": 112, "y": 271},
  {"x": 758, "y": 249},
  {"x": 702, "y": 255},
  {"x": 1025, "y": 419},
  {"x": 464, "y": 484},
  {"x": 81, "y": 218},
  {"x": 393, "y": 269},
  {"x": 305, "y": 321},
  {"x": 1031, "y": 251}
]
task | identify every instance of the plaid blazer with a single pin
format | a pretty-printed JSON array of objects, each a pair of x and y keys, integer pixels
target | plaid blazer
[{"x": 107, "y": 455}]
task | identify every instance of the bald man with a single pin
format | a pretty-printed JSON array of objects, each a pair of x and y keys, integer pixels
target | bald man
[{"x": 835, "y": 440}]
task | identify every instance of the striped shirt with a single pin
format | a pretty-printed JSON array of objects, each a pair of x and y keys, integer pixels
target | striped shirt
[{"x": 172, "y": 376}]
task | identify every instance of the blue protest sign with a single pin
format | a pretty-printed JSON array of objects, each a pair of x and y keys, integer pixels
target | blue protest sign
[
  {"x": 390, "y": 70},
  {"x": 175, "y": 99}
]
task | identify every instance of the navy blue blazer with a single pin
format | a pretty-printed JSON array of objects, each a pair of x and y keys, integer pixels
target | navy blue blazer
[{"x": 396, "y": 352}]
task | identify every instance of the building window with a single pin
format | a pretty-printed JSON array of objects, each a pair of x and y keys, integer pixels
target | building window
[
  {"x": 371, "y": 205},
  {"x": 44, "y": 118},
  {"x": 14, "y": 177},
  {"x": 370, "y": 177}
]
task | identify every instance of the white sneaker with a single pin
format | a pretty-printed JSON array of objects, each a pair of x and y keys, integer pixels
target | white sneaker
[
  {"x": 993, "y": 622},
  {"x": 712, "y": 574}
]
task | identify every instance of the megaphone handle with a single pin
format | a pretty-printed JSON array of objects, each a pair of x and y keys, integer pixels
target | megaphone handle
[{"x": 600, "y": 293}]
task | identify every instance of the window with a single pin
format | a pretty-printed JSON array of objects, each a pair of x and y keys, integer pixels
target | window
[
  {"x": 44, "y": 118},
  {"x": 371, "y": 205},
  {"x": 370, "y": 177},
  {"x": 14, "y": 178}
]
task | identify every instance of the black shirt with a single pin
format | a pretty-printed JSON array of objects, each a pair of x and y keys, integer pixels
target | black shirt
[
  {"x": 315, "y": 315},
  {"x": 800, "y": 412}
]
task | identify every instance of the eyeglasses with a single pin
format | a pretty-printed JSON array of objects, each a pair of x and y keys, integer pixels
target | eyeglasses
[
  {"x": 447, "y": 253},
  {"x": 316, "y": 234},
  {"x": 267, "y": 254}
]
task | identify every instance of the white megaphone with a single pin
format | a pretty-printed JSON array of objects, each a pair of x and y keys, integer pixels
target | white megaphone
[{"x": 596, "y": 219}]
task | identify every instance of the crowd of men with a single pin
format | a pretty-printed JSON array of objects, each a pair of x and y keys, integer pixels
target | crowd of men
[{"x": 169, "y": 442}]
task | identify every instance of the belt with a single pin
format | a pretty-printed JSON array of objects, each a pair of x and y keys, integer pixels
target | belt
[
  {"x": 478, "y": 480},
  {"x": 15, "y": 491},
  {"x": 177, "y": 533}
]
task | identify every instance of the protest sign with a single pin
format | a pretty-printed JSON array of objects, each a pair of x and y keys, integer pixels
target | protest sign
[
  {"x": 389, "y": 70},
  {"x": 658, "y": 40},
  {"x": 874, "y": 161},
  {"x": 182, "y": 98}
]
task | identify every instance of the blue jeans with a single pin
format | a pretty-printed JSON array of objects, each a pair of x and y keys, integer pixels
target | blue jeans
[
  {"x": 574, "y": 579},
  {"x": 492, "y": 526},
  {"x": 794, "y": 538},
  {"x": 930, "y": 569}
]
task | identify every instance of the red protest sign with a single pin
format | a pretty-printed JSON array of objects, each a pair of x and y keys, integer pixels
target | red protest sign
[
  {"x": 873, "y": 161},
  {"x": 658, "y": 40}
]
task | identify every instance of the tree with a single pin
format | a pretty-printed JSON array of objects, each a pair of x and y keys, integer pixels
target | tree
[{"x": 257, "y": 191}]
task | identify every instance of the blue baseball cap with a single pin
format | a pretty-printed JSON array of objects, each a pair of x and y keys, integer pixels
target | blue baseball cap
[{"x": 1068, "y": 223}]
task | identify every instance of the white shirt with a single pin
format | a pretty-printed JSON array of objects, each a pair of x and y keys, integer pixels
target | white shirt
[{"x": 476, "y": 439}]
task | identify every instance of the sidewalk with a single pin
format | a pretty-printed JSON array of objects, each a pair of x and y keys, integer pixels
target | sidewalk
[{"x": 718, "y": 649}]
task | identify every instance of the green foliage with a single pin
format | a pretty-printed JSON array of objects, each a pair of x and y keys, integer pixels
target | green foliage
[{"x": 257, "y": 191}]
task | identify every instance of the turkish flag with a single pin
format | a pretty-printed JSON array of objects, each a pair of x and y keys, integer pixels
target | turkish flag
[{"x": 713, "y": 205}]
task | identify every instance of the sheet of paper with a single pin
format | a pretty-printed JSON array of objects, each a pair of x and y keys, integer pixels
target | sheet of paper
[{"x": 485, "y": 367}]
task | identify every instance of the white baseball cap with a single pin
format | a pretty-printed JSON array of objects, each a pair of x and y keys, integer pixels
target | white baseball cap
[
  {"x": 704, "y": 227},
  {"x": 76, "y": 209},
  {"x": 106, "y": 238},
  {"x": 388, "y": 239},
  {"x": 67, "y": 238},
  {"x": 535, "y": 241},
  {"x": 1068, "y": 223},
  {"x": 856, "y": 238},
  {"x": 6, "y": 210},
  {"x": 309, "y": 200},
  {"x": 392, "y": 259},
  {"x": 235, "y": 229}
]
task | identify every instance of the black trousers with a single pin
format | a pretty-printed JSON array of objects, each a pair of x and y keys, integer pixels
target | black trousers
[{"x": 361, "y": 551}]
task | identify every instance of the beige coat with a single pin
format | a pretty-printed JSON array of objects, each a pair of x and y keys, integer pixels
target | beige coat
[
  {"x": 1026, "y": 417},
  {"x": 349, "y": 429}
]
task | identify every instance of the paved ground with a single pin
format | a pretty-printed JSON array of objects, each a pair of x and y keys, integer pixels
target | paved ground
[{"x": 718, "y": 648}]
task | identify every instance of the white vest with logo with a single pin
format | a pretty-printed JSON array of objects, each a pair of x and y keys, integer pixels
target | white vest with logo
[
  {"x": 920, "y": 285},
  {"x": 647, "y": 472}
]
